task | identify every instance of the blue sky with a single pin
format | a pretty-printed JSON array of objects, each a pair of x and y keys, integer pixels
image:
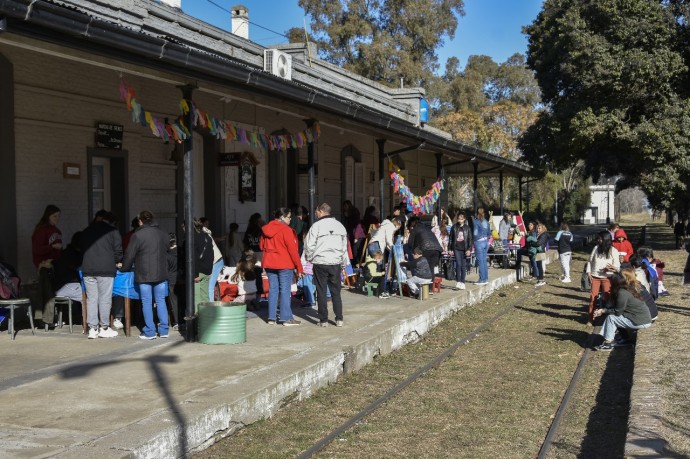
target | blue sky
[{"x": 490, "y": 27}]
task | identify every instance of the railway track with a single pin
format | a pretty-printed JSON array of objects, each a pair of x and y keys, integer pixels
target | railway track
[{"x": 436, "y": 362}]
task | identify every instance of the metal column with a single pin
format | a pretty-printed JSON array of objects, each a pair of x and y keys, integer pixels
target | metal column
[
  {"x": 311, "y": 176},
  {"x": 500, "y": 189},
  {"x": 475, "y": 185},
  {"x": 381, "y": 143},
  {"x": 439, "y": 174},
  {"x": 188, "y": 216}
]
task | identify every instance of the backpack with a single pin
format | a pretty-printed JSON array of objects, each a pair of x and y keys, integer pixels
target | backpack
[
  {"x": 9, "y": 282},
  {"x": 653, "y": 279}
]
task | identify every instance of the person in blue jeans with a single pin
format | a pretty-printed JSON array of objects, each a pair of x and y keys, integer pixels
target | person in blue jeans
[
  {"x": 530, "y": 243},
  {"x": 281, "y": 261},
  {"x": 147, "y": 250},
  {"x": 482, "y": 232},
  {"x": 461, "y": 243},
  {"x": 218, "y": 261}
]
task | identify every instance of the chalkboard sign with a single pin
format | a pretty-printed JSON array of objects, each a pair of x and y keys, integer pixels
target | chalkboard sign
[
  {"x": 109, "y": 136},
  {"x": 229, "y": 159}
]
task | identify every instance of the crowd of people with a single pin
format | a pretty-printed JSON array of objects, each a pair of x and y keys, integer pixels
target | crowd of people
[
  {"x": 290, "y": 253},
  {"x": 89, "y": 264},
  {"x": 625, "y": 284}
]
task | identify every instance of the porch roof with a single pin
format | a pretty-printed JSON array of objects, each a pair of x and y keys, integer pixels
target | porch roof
[{"x": 152, "y": 35}]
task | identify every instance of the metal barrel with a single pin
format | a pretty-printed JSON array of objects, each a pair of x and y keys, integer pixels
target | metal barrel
[{"x": 222, "y": 323}]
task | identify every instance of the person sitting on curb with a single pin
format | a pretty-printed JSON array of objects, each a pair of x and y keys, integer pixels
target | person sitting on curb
[
  {"x": 634, "y": 285},
  {"x": 627, "y": 311},
  {"x": 421, "y": 271}
]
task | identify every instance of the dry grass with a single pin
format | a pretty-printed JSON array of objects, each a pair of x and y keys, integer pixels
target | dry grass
[
  {"x": 673, "y": 333},
  {"x": 638, "y": 219},
  {"x": 494, "y": 398}
]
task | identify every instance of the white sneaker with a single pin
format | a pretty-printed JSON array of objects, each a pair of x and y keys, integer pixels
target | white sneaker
[
  {"x": 566, "y": 280},
  {"x": 117, "y": 324},
  {"x": 338, "y": 323},
  {"x": 107, "y": 333},
  {"x": 540, "y": 284},
  {"x": 458, "y": 285},
  {"x": 462, "y": 286},
  {"x": 93, "y": 333}
]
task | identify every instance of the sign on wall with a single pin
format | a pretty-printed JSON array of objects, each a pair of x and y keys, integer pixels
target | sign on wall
[
  {"x": 247, "y": 177},
  {"x": 229, "y": 159},
  {"x": 109, "y": 136}
]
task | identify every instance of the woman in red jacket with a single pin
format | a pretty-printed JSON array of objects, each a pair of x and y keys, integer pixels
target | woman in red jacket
[{"x": 280, "y": 260}]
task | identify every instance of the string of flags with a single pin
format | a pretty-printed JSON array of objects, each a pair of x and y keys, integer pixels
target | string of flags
[
  {"x": 225, "y": 130},
  {"x": 418, "y": 205}
]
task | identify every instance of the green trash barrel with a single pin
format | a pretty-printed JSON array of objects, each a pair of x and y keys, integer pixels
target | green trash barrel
[{"x": 222, "y": 323}]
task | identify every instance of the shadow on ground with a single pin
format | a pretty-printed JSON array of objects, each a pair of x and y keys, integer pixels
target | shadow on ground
[{"x": 156, "y": 366}]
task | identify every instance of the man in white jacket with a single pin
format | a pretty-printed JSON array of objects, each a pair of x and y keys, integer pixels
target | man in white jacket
[{"x": 326, "y": 249}]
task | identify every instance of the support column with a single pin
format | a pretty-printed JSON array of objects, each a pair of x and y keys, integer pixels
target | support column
[
  {"x": 475, "y": 185},
  {"x": 439, "y": 174},
  {"x": 8, "y": 172},
  {"x": 381, "y": 143},
  {"x": 312, "y": 175},
  {"x": 187, "y": 91},
  {"x": 500, "y": 188},
  {"x": 520, "y": 193}
]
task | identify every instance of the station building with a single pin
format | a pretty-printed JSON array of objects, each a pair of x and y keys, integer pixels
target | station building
[{"x": 93, "y": 104}]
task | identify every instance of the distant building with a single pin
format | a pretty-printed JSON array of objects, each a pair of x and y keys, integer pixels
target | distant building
[{"x": 602, "y": 205}]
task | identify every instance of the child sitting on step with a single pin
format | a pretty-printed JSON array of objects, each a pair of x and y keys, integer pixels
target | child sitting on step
[
  {"x": 374, "y": 271},
  {"x": 421, "y": 272}
]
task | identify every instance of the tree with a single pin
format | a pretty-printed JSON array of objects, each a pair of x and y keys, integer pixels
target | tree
[
  {"x": 489, "y": 106},
  {"x": 383, "y": 40},
  {"x": 631, "y": 201},
  {"x": 613, "y": 77}
]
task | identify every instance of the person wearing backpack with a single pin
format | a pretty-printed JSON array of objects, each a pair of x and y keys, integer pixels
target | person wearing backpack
[
  {"x": 645, "y": 254},
  {"x": 564, "y": 238}
]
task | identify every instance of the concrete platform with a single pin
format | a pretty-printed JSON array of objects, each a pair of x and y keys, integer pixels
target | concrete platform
[
  {"x": 63, "y": 395},
  {"x": 66, "y": 396}
]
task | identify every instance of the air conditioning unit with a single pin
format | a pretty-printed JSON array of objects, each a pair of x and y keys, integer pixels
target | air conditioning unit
[{"x": 278, "y": 63}]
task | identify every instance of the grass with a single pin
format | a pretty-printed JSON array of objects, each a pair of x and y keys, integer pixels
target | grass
[{"x": 495, "y": 397}]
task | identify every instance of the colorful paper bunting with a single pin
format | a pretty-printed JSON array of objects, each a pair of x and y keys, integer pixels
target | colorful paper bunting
[
  {"x": 418, "y": 205},
  {"x": 224, "y": 130}
]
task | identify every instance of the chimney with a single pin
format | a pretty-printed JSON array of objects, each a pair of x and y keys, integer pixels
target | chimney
[
  {"x": 173, "y": 3},
  {"x": 240, "y": 21}
]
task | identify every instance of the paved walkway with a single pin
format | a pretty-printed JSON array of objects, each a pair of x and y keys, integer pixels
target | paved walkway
[{"x": 66, "y": 396}]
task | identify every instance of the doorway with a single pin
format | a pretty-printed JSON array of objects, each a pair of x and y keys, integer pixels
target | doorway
[{"x": 108, "y": 184}]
